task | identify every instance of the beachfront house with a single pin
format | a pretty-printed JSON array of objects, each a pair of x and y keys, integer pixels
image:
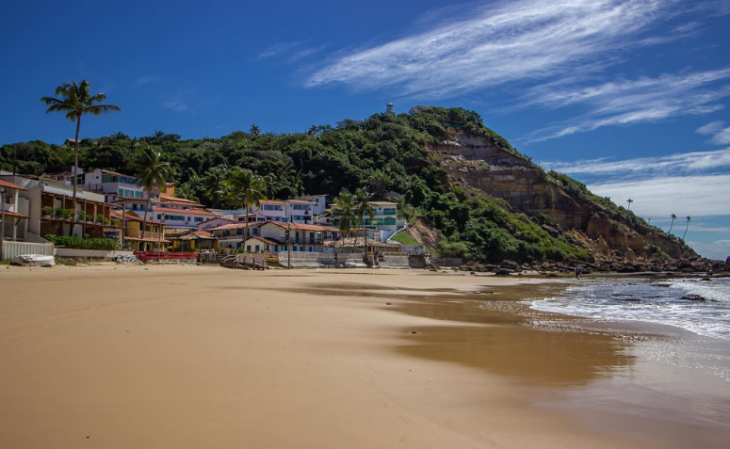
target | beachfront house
[
  {"x": 154, "y": 235},
  {"x": 230, "y": 236},
  {"x": 13, "y": 211},
  {"x": 50, "y": 209},
  {"x": 116, "y": 187},
  {"x": 260, "y": 244},
  {"x": 302, "y": 210},
  {"x": 192, "y": 240},
  {"x": 215, "y": 222},
  {"x": 385, "y": 221},
  {"x": 302, "y": 237}
]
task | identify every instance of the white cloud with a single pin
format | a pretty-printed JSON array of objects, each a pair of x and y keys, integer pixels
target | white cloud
[
  {"x": 717, "y": 250},
  {"x": 710, "y": 128},
  {"x": 722, "y": 137},
  {"x": 720, "y": 134},
  {"x": 631, "y": 101},
  {"x": 674, "y": 163},
  {"x": 696, "y": 196},
  {"x": 278, "y": 49},
  {"x": 527, "y": 39}
]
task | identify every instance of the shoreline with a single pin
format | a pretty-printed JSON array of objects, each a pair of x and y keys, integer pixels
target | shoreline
[{"x": 303, "y": 358}]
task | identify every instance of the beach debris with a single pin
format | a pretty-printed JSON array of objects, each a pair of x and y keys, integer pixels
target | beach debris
[
  {"x": 414, "y": 332},
  {"x": 388, "y": 304},
  {"x": 693, "y": 298}
]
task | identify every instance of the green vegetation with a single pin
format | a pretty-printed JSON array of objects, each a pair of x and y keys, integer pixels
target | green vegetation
[
  {"x": 405, "y": 238},
  {"x": 77, "y": 243},
  {"x": 383, "y": 153}
]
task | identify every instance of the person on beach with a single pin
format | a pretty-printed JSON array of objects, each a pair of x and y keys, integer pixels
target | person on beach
[{"x": 577, "y": 272}]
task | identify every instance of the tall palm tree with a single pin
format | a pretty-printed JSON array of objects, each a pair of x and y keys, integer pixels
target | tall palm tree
[
  {"x": 344, "y": 209},
  {"x": 75, "y": 101},
  {"x": 687, "y": 228},
  {"x": 629, "y": 201},
  {"x": 363, "y": 207},
  {"x": 674, "y": 217},
  {"x": 247, "y": 189},
  {"x": 255, "y": 130},
  {"x": 152, "y": 173}
]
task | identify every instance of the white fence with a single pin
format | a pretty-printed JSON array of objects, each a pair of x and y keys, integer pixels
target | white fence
[{"x": 14, "y": 249}]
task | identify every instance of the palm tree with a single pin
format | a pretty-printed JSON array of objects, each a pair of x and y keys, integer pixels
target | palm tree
[
  {"x": 344, "y": 209},
  {"x": 362, "y": 207},
  {"x": 687, "y": 228},
  {"x": 213, "y": 182},
  {"x": 629, "y": 201},
  {"x": 674, "y": 217},
  {"x": 255, "y": 130},
  {"x": 76, "y": 100},
  {"x": 247, "y": 189},
  {"x": 152, "y": 173}
]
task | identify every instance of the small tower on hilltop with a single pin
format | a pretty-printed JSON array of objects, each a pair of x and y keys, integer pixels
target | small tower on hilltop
[{"x": 390, "y": 109}]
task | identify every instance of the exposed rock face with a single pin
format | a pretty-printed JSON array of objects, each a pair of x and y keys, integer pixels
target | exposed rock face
[{"x": 479, "y": 164}]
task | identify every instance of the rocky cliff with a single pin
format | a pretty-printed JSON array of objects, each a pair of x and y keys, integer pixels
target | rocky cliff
[{"x": 615, "y": 238}]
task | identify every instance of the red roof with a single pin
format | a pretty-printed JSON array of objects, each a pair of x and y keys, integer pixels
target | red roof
[
  {"x": 267, "y": 241},
  {"x": 183, "y": 211},
  {"x": 302, "y": 227},
  {"x": 14, "y": 214},
  {"x": 9, "y": 184},
  {"x": 235, "y": 226}
]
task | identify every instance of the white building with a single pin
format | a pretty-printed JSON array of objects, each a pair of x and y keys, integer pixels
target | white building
[
  {"x": 385, "y": 222},
  {"x": 113, "y": 185}
]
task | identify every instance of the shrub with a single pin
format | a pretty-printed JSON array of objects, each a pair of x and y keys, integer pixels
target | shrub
[
  {"x": 77, "y": 243},
  {"x": 64, "y": 214}
]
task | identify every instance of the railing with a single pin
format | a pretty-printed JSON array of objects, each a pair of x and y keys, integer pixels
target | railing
[{"x": 14, "y": 249}]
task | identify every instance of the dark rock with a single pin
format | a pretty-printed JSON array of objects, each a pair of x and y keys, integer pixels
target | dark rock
[
  {"x": 503, "y": 272},
  {"x": 693, "y": 298},
  {"x": 661, "y": 285},
  {"x": 511, "y": 264},
  {"x": 388, "y": 304}
]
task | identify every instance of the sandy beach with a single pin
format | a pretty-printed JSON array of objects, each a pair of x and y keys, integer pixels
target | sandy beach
[{"x": 189, "y": 357}]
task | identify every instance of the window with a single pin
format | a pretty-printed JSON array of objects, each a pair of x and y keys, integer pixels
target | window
[
  {"x": 248, "y": 248},
  {"x": 301, "y": 207},
  {"x": 257, "y": 248},
  {"x": 198, "y": 220},
  {"x": 276, "y": 207}
]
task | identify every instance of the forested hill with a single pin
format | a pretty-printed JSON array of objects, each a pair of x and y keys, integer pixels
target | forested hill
[{"x": 466, "y": 191}]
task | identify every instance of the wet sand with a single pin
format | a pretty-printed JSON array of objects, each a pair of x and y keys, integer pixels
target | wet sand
[{"x": 177, "y": 357}]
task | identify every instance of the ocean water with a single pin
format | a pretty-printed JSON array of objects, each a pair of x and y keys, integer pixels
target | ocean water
[
  {"x": 650, "y": 301},
  {"x": 676, "y": 390}
]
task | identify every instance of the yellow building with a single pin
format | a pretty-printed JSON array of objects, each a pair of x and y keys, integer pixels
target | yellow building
[{"x": 154, "y": 235}]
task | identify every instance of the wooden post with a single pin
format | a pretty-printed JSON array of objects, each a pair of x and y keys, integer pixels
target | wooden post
[{"x": 288, "y": 245}]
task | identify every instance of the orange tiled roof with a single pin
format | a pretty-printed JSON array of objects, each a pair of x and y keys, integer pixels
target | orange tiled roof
[
  {"x": 235, "y": 226},
  {"x": 183, "y": 211},
  {"x": 10, "y": 185}
]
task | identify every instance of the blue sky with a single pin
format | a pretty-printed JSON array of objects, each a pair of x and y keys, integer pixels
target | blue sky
[{"x": 629, "y": 96}]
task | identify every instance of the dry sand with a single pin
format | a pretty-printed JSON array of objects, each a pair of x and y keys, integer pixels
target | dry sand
[{"x": 192, "y": 357}]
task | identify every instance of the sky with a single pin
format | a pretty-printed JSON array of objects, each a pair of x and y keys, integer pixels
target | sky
[{"x": 629, "y": 97}]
